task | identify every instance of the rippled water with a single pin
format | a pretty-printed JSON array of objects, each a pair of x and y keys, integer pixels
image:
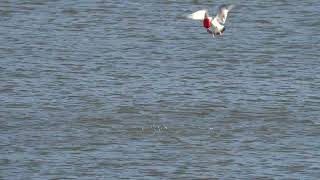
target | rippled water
[{"x": 121, "y": 89}]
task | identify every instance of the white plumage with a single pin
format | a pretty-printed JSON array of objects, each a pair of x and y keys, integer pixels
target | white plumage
[
  {"x": 198, "y": 15},
  {"x": 223, "y": 11}
]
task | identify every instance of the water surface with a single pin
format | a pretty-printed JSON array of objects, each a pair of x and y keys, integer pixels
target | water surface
[{"x": 132, "y": 90}]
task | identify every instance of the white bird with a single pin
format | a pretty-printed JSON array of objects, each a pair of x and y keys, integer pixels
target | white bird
[{"x": 215, "y": 23}]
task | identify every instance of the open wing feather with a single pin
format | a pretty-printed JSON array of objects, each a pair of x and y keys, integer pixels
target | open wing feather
[
  {"x": 198, "y": 15},
  {"x": 223, "y": 11}
]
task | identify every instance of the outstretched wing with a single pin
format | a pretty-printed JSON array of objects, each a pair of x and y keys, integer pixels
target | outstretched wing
[
  {"x": 198, "y": 15},
  {"x": 223, "y": 11}
]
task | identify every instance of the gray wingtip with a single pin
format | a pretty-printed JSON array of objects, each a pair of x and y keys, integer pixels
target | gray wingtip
[
  {"x": 231, "y": 6},
  {"x": 226, "y": 6}
]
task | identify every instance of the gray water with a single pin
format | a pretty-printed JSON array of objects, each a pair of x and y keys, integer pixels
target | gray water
[{"x": 124, "y": 89}]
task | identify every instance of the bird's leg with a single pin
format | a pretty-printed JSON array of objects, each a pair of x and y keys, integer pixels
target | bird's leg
[{"x": 216, "y": 31}]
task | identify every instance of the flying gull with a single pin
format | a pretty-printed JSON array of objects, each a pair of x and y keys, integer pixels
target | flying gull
[{"x": 214, "y": 26}]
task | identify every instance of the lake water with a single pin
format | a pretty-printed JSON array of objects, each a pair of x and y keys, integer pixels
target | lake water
[{"x": 124, "y": 89}]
